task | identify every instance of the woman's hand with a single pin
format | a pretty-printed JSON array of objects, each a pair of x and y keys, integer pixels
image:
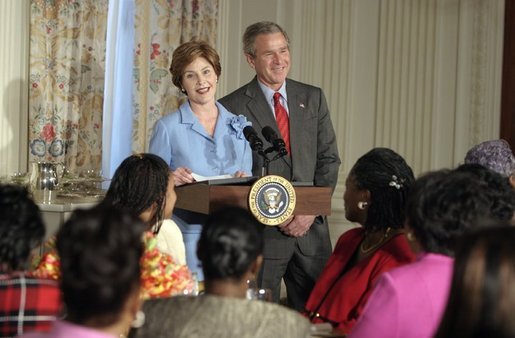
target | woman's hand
[
  {"x": 240, "y": 173},
  {"x": 182, "y": 175}
]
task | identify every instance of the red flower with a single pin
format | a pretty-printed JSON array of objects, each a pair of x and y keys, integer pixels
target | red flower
[
  {"x": 61, "y": 86},
  {"x": 48, "y": 132},
  {"x": 34, "y": 85},
  {"x": 155, "y": 51}
]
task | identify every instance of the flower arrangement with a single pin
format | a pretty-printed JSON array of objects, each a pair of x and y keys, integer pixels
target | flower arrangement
[{"x": 161, "y": 276}]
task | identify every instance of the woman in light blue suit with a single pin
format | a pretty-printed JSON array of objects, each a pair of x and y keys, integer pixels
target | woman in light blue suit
[{"x": 201, "y": 137}]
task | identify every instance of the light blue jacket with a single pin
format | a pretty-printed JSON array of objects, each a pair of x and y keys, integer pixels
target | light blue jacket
[{"x": 182, "y": 141}]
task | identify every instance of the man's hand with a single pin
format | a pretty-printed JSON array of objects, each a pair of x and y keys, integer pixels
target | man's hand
[{"x": 298, "y": 226}]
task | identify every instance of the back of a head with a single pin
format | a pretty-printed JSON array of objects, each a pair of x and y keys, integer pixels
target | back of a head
[
  {"x": 482, "y": 301},
  {"x": 99, "y": 252},
  {"x": 442, "y": 205},
  {"x": 21, "y": 227},
  {"x": 230, "y": 242},
  {"x": 501, "y": 192},
  {"x": 139, "y": 181},
  {"x": 495, "y": 155},
  {"x": 388, "y": 178}
]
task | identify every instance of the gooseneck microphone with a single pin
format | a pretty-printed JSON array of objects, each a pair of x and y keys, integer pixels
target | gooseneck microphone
[
  {"x": 251, "y": 135},
  {"x": 277, "y": 143}
]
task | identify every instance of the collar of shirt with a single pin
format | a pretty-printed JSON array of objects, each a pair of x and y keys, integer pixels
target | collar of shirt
[{"x": 269, "y": 95}]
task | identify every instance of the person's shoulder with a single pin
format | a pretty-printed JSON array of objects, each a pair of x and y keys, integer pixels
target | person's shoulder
[
  {"x": 28, "y": 280},
  {"x": 395, "y": 252},
  {"x": 301, "y": 86},
  {"x": 239, "y": 92},
  {"x": 292, "y": 323},
  {"x": 172, "y": 117},
  {"x": 351, "y": 234}
]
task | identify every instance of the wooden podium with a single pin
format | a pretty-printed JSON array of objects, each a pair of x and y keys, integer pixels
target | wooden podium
[{"x": 205, "y": 197}]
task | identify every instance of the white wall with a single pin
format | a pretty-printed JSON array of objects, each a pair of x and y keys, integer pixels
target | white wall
[{"x": 421, "y": 77}]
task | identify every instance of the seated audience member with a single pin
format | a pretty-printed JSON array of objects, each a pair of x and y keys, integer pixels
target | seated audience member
[
  {"x": 409, "y": 301},
  {"x": 375, "y": 197},
  {"x": 481, "y": 301},
  {"x": 495, "y": 155},
  {"x": 502, "y": 194},
  {"x": 144, "y": 185},
  {"x": 230, "y": 249},
  {"x": 26, "y": 303},
  {"x": 100, "y": 250}
]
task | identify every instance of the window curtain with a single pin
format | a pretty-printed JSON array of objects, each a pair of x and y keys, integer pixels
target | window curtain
[
  {"x": 67, "y": 65},
  {"x": 117, "y": 121},
  {"x": 161, "y": 26}
]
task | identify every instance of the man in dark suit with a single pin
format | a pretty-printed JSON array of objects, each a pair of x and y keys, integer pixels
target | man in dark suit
[{"x": 298, "y": 249}]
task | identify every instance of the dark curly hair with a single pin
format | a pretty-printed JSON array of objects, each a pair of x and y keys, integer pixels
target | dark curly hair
[
  {"x": 230, "y": 242},
  {"x": 100, "y": 251},
  {"x": 21, "y": 227},
  {"x": 388, "y": 177},
  {"x": 442, "y": 205},
  {"x": 140, "y": 181},
  {"x": 502, "y": 194}
]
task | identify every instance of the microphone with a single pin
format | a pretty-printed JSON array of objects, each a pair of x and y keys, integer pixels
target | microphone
[
  {"x": 251, "y": 135},
  {"x": 278, "y": 143}
]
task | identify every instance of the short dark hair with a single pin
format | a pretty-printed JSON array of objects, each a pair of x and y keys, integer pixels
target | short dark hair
[
  {"x": 262, "y": 27},
  {"x": 21, "y": 227},
  {"x": 187, "y": 53},
  {"x": 388, "y": 177},
  {"x": 481, "y": 301},
  {"x": 442, "y": 205},
  {"x": 100, "y": 251},
  {"x": 502, "y": 194},
  {"x": 140, "y": 181},
  {"x": 229, "y": 243}
]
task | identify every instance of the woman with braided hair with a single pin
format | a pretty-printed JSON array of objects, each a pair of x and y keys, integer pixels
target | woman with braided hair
[
  {"x": 375, "y": 197},
  {"x": 144, "y": 184}
]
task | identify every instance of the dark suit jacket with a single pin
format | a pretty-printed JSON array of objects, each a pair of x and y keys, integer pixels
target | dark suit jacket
[{"x": 314, "y": 154}]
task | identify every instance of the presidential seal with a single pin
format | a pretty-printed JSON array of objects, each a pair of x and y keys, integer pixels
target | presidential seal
[{"x": 272, "y": 200}]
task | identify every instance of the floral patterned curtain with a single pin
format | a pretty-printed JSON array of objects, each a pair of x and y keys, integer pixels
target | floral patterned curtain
[
  {"x": 67, "y": 56},
  {"x": 162, "y": 25}
]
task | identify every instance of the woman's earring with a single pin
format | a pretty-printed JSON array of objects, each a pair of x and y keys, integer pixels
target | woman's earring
[
  {"x": 410, "y": 236},
  {"x": 362, "y": 205},
  {"x": 139, "y": 320},
  {"x": 183, "y": 91}
]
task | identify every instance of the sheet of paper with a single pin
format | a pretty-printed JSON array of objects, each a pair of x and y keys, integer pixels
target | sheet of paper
[{"x": 200, "y": 178}]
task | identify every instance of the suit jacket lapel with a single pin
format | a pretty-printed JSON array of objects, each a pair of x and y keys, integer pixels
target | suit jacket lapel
[
  {"x": 258, "y": 107},
  {"x": 261, "y": 111}
]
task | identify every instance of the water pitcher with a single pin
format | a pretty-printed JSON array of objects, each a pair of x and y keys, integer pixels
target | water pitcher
[{"x": 45, "y": 175}]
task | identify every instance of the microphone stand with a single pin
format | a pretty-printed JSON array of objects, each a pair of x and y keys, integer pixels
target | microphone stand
[{"x": 266, "y": 160}]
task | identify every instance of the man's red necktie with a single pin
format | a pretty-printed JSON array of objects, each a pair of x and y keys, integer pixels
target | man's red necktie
[{"x": 283, "y": 123}]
